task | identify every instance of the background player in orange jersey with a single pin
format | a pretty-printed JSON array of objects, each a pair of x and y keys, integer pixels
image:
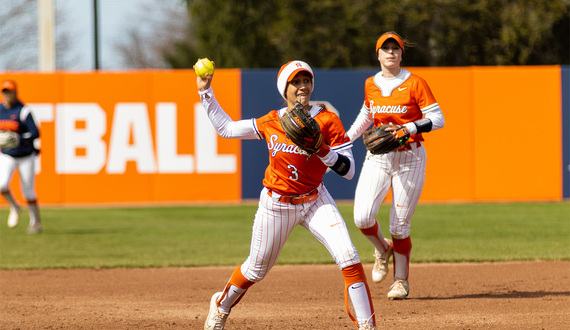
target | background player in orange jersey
[
  {"x": 293, "y": 194},
  {"x": 393, "y": 96}
]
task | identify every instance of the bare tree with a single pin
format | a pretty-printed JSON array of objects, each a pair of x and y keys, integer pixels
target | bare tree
[
  {"x": 155, "y": 35},
  {"x": 19, "y": 41}
]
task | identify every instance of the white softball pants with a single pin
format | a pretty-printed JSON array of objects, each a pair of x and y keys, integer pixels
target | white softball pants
[
  {"x": 26, "y": 167},
  {"x": 404, "y": 172},
  {"x": 274, "y": 222}
]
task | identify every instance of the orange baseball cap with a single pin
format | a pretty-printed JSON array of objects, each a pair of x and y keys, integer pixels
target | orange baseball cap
[
  {"x": 387, "y": 36},
  {"x": 9, "y": 85}
]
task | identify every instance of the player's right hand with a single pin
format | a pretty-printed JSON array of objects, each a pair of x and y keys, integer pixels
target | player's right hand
[{"x": 204, "y": 83}]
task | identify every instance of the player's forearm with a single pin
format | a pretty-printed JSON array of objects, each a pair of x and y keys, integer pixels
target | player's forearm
[
  {"x": 436, "y": 117},
  {"x": 433, "y": 120},
  {"x": 342, "y": 162},
  {"x": 222, "y": 122},
  {"x": 361, "y": 123},
  {"x": 28, "y": 120}
]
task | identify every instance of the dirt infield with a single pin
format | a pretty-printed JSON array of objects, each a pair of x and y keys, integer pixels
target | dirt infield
[{"x": 513, "y": 295}]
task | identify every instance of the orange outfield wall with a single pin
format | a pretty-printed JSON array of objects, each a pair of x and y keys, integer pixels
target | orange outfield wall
[
  {"x": 137, "y": 137},
  {"x": 100, "y": 138},
  {"x": 503, "y": 134}
]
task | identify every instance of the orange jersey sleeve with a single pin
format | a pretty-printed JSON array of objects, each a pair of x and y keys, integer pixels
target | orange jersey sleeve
[
  {"x": 403, "y": 105},
  {"x": 291, "y": 172},
  {"x": 333, "y": 130}
]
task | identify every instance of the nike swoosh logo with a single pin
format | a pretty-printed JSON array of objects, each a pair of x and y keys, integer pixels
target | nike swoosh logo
[
  {"x": 338, "y": 223},
  {"x": 401, "y": 89}
]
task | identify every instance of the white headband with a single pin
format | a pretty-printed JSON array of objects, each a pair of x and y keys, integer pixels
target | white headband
[{"x": 288, "y": 72}]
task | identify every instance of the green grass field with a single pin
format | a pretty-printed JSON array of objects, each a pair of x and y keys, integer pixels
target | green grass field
[{"x": 193, "y": 236}]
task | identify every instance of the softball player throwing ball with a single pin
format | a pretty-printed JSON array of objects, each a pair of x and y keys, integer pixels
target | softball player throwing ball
[
  {"x": 17, "y": 119},
  {"x": 293, "y": 194},
  {"x": 393, "y": 96}
]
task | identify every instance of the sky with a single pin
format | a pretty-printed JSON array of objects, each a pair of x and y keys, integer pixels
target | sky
[
  {"x": 115, "y": 20},
  {"x": 75, "y": 19}
]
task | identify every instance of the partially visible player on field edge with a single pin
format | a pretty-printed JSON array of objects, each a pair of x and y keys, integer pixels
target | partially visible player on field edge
[
  {"x": 393, "y": 96},
  {"x": 15, "y": 116},
  {"x": 293, "y": 194}
]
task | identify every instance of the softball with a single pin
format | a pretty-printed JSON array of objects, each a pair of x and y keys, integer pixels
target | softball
[{"x": 203, "y": 66}]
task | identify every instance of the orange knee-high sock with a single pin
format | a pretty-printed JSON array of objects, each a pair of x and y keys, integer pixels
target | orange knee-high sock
[
  {"x": 401, "y": 260},
  {"x": 374, "y": 235},
  {"x": 354, "y": 274},
  {"x": 238, "y": 280}
]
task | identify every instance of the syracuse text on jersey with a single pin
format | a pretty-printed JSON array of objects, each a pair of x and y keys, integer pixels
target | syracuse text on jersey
[
  {"x": 387, "y": 108},
  {"x": 283, "y": 147}
]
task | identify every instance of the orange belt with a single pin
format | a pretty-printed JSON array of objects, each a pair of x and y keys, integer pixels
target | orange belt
[
  {"x": 408, "y": 146},
  {"x": 298, "y": 199}
]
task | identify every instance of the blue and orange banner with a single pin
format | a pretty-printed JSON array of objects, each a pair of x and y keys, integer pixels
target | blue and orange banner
[{"x": 143, "y": 137}]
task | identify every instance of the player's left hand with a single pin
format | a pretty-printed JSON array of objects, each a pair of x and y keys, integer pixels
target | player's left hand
[
  {"x": 302, "y": 129},
  {"x": 386, "y": 138},
  {"x": 399, "y": 132}
]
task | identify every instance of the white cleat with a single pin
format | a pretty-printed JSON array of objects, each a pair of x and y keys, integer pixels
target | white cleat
[
  {"x": 216, "y": 318},
  {"x": 367, "y": 325},
  {"x": 36, "y": 228},
  {"x": 399, "y": 289},
  {"x": 380, "y": 269},
  {"x": 14, "y": 217}
]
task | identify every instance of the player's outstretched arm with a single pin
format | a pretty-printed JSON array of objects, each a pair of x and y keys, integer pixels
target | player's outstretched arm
[
  {"x": 222, "y": 122},
  {"x": 360, "y": 124}
]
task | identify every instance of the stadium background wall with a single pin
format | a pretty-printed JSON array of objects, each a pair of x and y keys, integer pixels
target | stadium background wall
[{"x": 141, "y": 137}]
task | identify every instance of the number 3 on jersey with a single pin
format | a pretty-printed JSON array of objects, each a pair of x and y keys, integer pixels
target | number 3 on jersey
[{"x": 294, "y": 173}]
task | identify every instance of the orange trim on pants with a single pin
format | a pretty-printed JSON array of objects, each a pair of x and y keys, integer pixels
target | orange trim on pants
[
  {"x": 372, "y": 231},
  {"x": 354, "y": 274},
  {"x": 238, "y": 280},
  {"x": 403, "y": 247}
]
